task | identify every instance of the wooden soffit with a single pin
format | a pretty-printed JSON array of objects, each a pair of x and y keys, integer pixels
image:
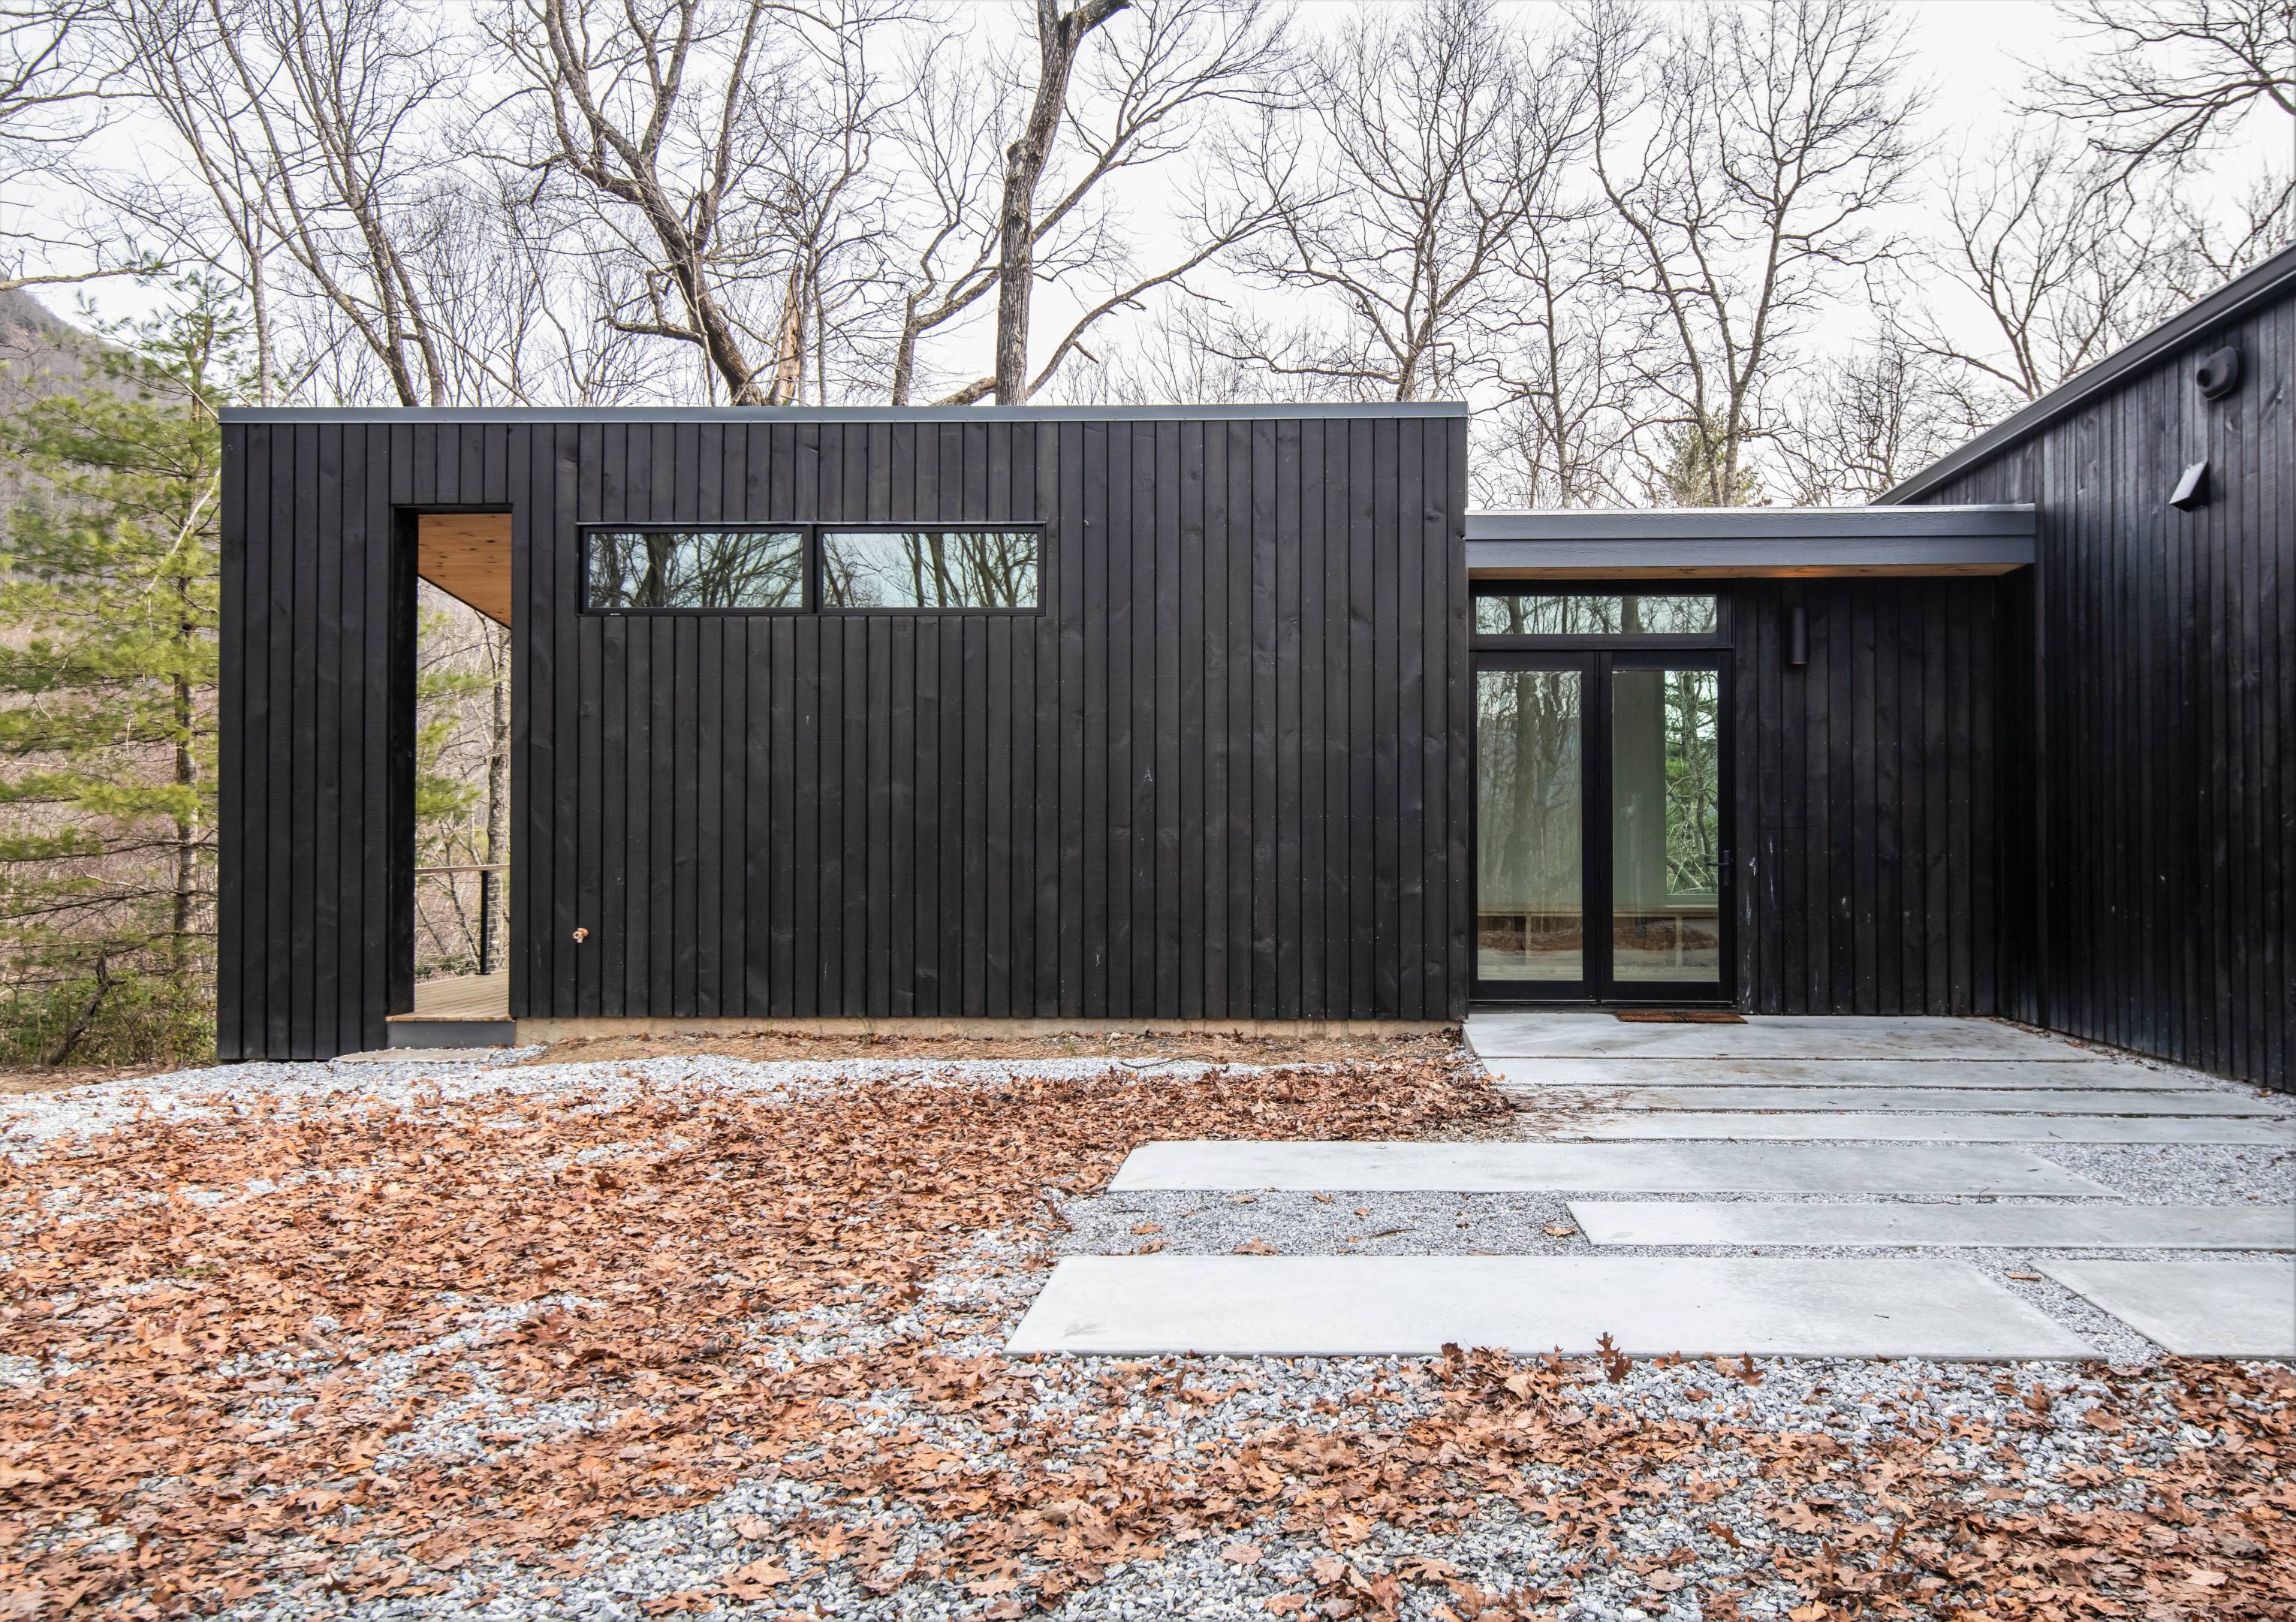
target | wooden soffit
[{"x": 467, "y": 556}]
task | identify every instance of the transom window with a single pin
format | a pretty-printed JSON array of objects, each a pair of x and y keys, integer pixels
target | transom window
[
  {"x": 928, "y": 568},
  {"x": 665, "y": 568},
  {"x": 800, "y": 569},
  {"x": 1596, "y": 614}
]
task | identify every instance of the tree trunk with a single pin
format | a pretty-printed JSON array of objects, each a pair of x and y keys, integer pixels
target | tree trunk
[
  {"x": 259, "y": 305},
  {"x": 1057, "y": 39},
  {"x": 904, "y": 353},
  {"x": 497, "y": 888},
  {"x": 789, "y": 343},
  {"x": 188, "y": 834},
  {"x": 187, "y": 827}
]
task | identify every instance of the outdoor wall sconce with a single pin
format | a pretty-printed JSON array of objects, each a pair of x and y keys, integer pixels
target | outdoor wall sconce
[
  {"x": 1797, "y": 636},
  {"x": 2192, "y": 489},
  {"x": 2218, "y": 374}
]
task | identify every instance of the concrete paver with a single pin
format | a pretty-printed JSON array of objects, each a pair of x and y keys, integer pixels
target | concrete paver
[
  {"x": 1691, "y": 1168},
  {"x": 1326, "y": 1306},
  {"x": 1990, "y": 1100},
  {"x": 1913, "y": 1127},
  {"x": 2194, "y": 1308},
  {"x": 1512, "y": 1034},
  {"x": 2007, "y": 1074},
  {"x": 2197, "y": 1227}
]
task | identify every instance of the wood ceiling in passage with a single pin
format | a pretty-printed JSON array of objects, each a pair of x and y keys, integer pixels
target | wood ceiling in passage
[{"x": 467, "y": 556}]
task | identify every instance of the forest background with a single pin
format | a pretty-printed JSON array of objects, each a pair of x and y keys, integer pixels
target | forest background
[{"x": 1708, "y": 253}]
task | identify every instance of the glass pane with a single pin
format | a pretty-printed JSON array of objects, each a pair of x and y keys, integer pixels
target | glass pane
[
  {"x": 1666, "y": 825},
  {"x": 1574, "y": 614},
  {"x": 696, "y": 569},
  {"x": 1528, "y": 925},
  {"x": 928, "y": 569}
]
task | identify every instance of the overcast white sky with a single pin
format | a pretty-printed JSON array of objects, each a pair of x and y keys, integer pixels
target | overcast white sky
[{"x": 1970, "y": 52}]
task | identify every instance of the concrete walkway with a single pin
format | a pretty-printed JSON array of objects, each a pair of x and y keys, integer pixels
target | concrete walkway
[
  {"x": 1902, "y": 1166},
  {"x": 1344, "y": 1306}
]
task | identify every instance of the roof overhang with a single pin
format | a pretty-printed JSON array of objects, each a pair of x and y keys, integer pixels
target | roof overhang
[
  {"x": 1725, "y": 543},
  {"x": 467, "y": 416}
]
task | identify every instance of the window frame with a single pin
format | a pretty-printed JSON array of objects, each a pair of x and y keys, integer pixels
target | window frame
[
  {"x": 864, "y": 526},
  {"x": 1719, "y": 637},
  {"x": 810, "y": 532},
  {"x": 584, "y": 532}
]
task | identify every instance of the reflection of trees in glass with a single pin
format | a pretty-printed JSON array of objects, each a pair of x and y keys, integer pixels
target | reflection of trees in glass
[
  {"x": 1576, "y": 615},
  {"x": 1693, "y": 787},
  {"x": 697, "y": 568},
  {"x": 1668, "y": 616},
  {"x": 928, "y": 569},
  {"x": 1527, "y": 742}
]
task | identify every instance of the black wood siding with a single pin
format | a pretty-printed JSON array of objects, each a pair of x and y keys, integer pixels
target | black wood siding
[
  {"x": 1222, "y": 775},
  {"x": 2149, "y": 902},
  {"x": 316, "y": 906},
  {"x": 1868, "y": 859}
]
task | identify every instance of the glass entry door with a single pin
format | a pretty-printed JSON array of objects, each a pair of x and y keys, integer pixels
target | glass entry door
[
  {"x": 1602, "y": 847},
  {"x": 1530, "y": 822}
]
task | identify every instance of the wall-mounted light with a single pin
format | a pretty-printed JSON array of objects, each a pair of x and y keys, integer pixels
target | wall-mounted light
[
  {"x": 2192, "y": 489},
  {"x": 1797, "y": 636}
]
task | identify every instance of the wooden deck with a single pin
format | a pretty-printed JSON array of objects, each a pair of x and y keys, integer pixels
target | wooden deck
[{"x": 462, "y": 997}]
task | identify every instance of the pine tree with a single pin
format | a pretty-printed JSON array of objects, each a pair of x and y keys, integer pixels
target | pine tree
[
  {"x": 108, "y": 614},
  {"x": 1698, "y": 469}
]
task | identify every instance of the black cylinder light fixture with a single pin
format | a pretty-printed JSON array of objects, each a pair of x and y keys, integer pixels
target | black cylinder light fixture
[{"x": 1797, "y": 636}]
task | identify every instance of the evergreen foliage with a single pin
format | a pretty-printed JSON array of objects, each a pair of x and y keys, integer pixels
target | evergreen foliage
[
  {"x": 108, "y": 616},
  {"x": 1698, "y": 469}
]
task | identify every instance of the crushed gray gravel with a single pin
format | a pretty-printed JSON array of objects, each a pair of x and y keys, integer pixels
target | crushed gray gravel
[
  {"x": 1727, "y": 1538},
  {"x": 27, "y": 1119},
  {"x": 637, "y": 1568}
]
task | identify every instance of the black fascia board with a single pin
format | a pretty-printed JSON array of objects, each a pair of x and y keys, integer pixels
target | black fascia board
[
  {"x": 514, "y": 414},
  {"x": 2006, "y": 520}
]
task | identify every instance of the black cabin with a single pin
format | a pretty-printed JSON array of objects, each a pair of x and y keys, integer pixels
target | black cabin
[{"x": 1238, "y": 716}]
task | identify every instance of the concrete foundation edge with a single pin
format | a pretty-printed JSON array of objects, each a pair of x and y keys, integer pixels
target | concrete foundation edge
[{"x": 531, "y": 1031}]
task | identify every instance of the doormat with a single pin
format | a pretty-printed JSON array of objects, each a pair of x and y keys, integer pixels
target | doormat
[{"x": 1683, "y": 1016}]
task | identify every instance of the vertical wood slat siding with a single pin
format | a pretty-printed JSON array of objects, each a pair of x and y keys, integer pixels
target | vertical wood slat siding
[
  {"x": 1221, "y": 775},
  {"x": 2147, "y": 793},
  {"x": 1866, "y": 855}
]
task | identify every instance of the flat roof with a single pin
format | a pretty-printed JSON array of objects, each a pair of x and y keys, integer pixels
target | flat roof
[
  {"x": 2273, "y": 278},
  {"x": 479, "y": 415},
  {"x": 1724, "y": 542}
]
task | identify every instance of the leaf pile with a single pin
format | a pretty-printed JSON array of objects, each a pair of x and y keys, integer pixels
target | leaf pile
[
  {"x": 330, "y": 1357},
  {"x": 238, "y": 1319}
]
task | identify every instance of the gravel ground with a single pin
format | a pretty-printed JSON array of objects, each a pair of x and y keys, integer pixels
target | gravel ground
[
  {"x": 1857, "y": 1403},
  {"x": 30, "y": 1119},
  {"x": 1671, "y": 1545}
]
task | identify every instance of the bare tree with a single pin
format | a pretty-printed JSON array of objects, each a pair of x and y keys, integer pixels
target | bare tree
[
  {"x": 667, "y": 115},
  {"x": 2061, "y": 264},
  {"x": 1573, "y": 374},
  {"x": 825, "y": 198},
  {"x": 2166, "y": 79},
  {"x": 1173, "y": 358},
  {"x": 1747, "y": 156},
  {"x": 50, "y": 78},
  {"x": 945, "y": 229},
  {"x": 1158, "y": 83},
  {"x": 2217, "y": 244},
  {"x": 1442, "y": 141},
  {"x": 1863, "y": 423},
  {"x": 314, "y": 127},
  {"x": 1060, "y": 35}
]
